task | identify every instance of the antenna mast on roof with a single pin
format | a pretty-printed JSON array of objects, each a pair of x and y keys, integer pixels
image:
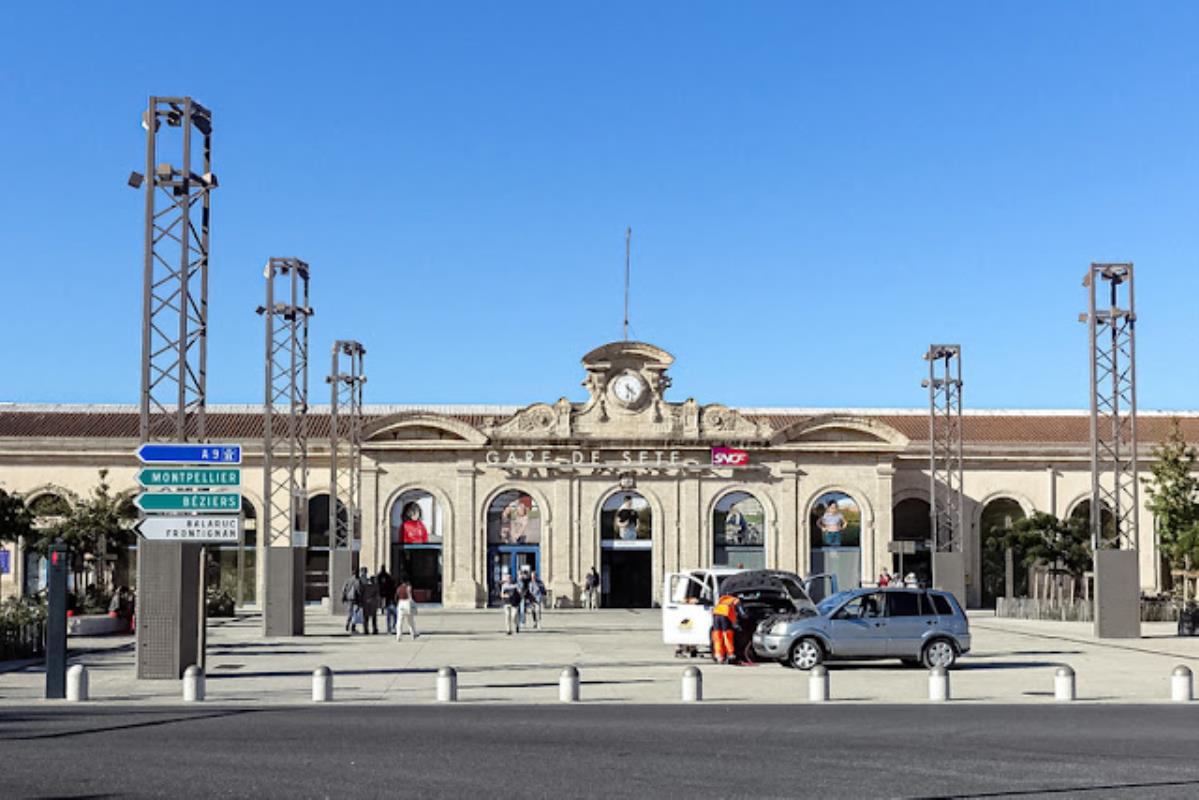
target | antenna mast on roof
[{"x": 628, "y": 240}]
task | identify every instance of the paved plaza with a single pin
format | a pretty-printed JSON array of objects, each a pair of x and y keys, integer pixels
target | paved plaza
[{"x": 621, "y": 659}]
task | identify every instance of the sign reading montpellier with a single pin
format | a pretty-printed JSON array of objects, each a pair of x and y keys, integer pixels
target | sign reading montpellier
[{"x": 189, "y": 477}]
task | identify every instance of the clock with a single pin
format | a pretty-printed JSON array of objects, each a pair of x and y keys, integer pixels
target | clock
[{"x": 628, "y": 388}]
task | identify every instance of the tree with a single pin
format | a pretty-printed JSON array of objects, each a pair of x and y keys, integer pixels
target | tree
[
  {"x": 93, "y": 528},
  {"x": 15, "y": 521},
  {"x": 1172, "y": 491},
  {"x": 1063, "y": 545}
]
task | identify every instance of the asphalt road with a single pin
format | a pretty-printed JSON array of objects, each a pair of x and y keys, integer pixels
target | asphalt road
[{"x": 607, "y": 751}]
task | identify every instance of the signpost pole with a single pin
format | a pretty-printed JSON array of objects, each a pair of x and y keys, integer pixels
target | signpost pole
[{"x": 56, "y": 623}]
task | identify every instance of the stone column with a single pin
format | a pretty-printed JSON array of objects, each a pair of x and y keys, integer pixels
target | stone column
[
  {"x": 462, "y": 555},
  {"x": 375, "y": 538},
  {"x": 557, "y": 549},
  {"x": 1051, "y": 491},
  {"x": 784, "y": 551},
  {"x": 883, "y": 524},
  {"x": 689, "y": 526}
]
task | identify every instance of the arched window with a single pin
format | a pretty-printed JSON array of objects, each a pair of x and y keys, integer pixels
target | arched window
[
  {"x": 739, "y": 532},
  {"x": 911, "y": 535},
  {"x": 513, "y": 539},
  {"x": 998, "y": 518},
  {"x": 316, "y": 570},
  {"x": 835, "y": 522},
  {"x": 417, "y": 532},
  {"x": 49, "y": 505},
  {"x": 626, "y": 551},
  {"x": 1081, "y": 515}
]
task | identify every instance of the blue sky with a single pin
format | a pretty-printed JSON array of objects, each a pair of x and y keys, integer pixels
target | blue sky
[{"x": 817, "y": 191}]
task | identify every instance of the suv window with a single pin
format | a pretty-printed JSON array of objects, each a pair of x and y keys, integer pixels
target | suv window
[
  {"x": 903, "y": 604},
  {"x": 941, "y": 604},
  {"x": 865, "y": 606}
]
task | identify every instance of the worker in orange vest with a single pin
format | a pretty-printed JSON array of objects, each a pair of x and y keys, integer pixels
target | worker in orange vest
[{"x": 726, "y": 618}]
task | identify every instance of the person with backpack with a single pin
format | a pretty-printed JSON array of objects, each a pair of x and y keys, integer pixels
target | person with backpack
[
  {"x": 510, "y": 597},
  {"x": 351, "y": 595},
  {"x": 535, "y": 599},
  {"x": 526, "y": 593}
]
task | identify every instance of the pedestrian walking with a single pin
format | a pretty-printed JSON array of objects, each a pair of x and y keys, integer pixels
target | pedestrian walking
[
  {"x": 387, "y": 592},
  {"x": 510, "y": 597},
  {"x": 526, "y": 593},
  {"x": 591, "y": 589},
  {"x": 351, "y": 595},
  {"x": 370, "y": 603},
  {"x": 535, "y": 599},
  {"x": 407, "y": 608}
]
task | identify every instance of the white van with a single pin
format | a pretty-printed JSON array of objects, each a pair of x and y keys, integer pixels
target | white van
[{"x": 687, "y": 600}]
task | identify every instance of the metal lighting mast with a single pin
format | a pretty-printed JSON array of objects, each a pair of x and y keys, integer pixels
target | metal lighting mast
[
  {"x": 284, "y": 536},
  {"x": 174, "y": 362},
  {"x": 346, "y": 380},
  {"x": 1111, "y": 324},
  {"x": 945, "y": 474}
]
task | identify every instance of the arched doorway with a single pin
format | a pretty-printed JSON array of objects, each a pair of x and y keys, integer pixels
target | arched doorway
[
  {"x": 739, "y": 532},
  {"x": 48, "y": 509},
  {"x": 998, "y": 518},
  {"x": 835, "y": 520},
  {"x": 1081, "y": 516},
  {"x": 316, "y": 569},
  {"x": 417, "y": 531},
  {"x": 626, "y": 545},
  {"x": 912, "y": 536},
  {"x": 513, "y": 539}
]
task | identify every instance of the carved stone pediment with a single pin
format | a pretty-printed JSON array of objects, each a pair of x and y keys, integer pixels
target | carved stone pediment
[
  {"x": 538, "y": 421},
  {"x": 721, "y": 422}
]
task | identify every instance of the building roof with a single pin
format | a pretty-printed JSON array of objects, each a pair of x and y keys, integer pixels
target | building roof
[{"x": 244, "y": 422}]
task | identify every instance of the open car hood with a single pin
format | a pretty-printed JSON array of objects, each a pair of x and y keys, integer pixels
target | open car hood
[{"x": 775, "y": 580}]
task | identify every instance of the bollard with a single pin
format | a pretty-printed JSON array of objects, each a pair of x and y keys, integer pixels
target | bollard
[
  {"x": 568, "y": 685},
  {"x": 77, "y": 684},
  {"x": 1182, "y": 685},
  {"x": 322, "y": 685},
  {"x": 447, "y": 685},
  {"x": 1063, "y": 684},
  {"x": 693, "y": 685},
  {"x": 938, "y": 684},
  {"x": 193, "y": 684},
  {"x": 818, "y": 684}
]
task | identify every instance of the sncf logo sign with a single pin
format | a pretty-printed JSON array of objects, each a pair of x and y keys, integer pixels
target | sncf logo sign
[{"x": 729, "y": 457}]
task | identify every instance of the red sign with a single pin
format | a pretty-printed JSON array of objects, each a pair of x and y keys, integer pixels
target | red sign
[{"x": 729, "y": 457}]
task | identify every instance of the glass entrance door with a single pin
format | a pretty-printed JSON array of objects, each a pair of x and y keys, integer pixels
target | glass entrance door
[{"x": 506, "y": 560}]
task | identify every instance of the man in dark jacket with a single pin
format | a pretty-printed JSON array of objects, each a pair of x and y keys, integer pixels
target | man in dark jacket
[
  {"x": 387, "y": 595},
  {"x": 351, "y": 595},
  {"x": 370, "y": 603}
]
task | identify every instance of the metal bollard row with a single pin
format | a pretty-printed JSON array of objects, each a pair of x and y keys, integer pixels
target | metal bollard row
[
  {"x": 1182, "y": 685},
  {"x": 818, "y": 689},
  {"x": 938, "y": 684},
  {"x": 568, "y": 685}
]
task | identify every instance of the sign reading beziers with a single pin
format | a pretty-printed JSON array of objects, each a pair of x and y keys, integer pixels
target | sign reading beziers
[{"x": 551, "y": 457}]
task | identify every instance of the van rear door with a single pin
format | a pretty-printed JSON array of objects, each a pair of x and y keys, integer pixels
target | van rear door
[{"x": 686, "y": 609}]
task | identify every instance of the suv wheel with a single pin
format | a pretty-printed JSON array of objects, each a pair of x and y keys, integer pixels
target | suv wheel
[
  {"x": 806, "y": 653},
  {"x": 939, "y": 653}
]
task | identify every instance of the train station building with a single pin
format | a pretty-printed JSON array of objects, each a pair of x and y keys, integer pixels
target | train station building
[{"x": 629, "y": 480}]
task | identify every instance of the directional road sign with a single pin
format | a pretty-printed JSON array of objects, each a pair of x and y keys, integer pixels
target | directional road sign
[
  {"x": 190, "y": 453},
  {"x": 212, "y": 502},
  {"x": 190, "y": 529},
  {"x": 189, "y": 477}
]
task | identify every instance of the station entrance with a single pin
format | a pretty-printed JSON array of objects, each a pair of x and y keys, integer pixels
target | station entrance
[{"x": 626, "y": 551}]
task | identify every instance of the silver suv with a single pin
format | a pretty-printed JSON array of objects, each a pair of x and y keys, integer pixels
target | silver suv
[{"x": 914, "y": 625}]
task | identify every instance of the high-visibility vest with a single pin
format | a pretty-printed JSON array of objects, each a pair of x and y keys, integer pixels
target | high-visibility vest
[{"x": 726, "y": 607}]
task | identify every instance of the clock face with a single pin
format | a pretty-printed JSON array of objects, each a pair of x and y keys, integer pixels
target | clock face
[{"x": 628, "y": 388}]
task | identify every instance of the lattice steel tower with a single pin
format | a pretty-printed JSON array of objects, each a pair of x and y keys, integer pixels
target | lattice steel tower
[
  {"x": 1111, "y": 323},
  {"x": 174, "y": 361},
  {"x": 946, "y": 509},
  {"x": 346, "y": 379},
  {"x": 284, "y": 529}
]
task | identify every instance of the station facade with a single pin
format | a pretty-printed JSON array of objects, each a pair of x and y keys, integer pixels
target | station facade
[{"x": 628, "y": 481}]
